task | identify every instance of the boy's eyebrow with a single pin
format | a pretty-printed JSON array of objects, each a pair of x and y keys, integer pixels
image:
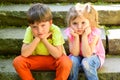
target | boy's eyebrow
[{"x": 33, "y": 26}]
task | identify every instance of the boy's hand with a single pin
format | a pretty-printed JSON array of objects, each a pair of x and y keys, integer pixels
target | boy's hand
[{"x": 45, "y": 36}]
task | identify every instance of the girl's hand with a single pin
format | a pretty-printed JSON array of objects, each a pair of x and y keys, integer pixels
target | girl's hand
[
  {"x": 72, "y": 32},
  {"x": 87, "y": 31}
]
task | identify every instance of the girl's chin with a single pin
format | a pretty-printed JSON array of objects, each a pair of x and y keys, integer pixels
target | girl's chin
[{"x": 79, "y": 33}]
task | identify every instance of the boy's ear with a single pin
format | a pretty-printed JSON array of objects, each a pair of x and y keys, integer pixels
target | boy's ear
[{"x": 50, "y": 22}]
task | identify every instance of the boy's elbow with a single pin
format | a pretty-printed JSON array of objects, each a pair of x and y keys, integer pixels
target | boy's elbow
[
  {"x": 24, "y": 55},
  {"x": 59, "y": 55}
]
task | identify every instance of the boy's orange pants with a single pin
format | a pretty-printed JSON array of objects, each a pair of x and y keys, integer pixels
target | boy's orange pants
[{"x": 24, "y": 65}]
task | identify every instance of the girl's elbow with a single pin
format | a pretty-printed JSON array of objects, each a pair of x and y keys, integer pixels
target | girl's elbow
[
  {"x": 74, "y": 53},
  {"x": 87, "y": 54}
]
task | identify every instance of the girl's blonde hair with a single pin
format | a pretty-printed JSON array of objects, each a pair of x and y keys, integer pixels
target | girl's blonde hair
[{"x": 86, "y": 10}]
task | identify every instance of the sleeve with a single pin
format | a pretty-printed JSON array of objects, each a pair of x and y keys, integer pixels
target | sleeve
[
  {"x": 28, "y": 37},
  {"x": 97, "y": 32},
  {"x": 67, "y": 33},
  {"x": 57, "y": 37}
]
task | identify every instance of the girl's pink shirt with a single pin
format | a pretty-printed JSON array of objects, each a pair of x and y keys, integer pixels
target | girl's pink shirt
[{"x": 99, "y": 49}]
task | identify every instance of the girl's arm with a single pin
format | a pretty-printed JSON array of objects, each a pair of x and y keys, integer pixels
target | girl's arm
[
  {"x": 74, "y": 46},
  {"x": 88, "y": 49},
  {"x": 27, "y": 49}
]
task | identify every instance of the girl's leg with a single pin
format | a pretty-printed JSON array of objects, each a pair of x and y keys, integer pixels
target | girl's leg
[
  {"x": 63, "y": 67},
  {"x": 23, "y": 65},
  {"x": 90, "y": 66},
  {"x": 76, "y": 62}
]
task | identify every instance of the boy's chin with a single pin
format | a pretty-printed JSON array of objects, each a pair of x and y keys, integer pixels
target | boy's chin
[{"x": 40, "y": 36}]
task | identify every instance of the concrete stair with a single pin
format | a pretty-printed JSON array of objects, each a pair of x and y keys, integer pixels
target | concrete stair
[
  {"x": 109, "y": 71},
  {"x": 57, "y": 1},
  {"x": 11, "y": 39},
  {"x": 15, "y": 14}
]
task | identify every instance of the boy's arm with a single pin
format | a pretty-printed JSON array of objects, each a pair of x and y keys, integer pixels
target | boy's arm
[
  {"x": 27, "y": 49},
  {"x": 55, "y": 51}
]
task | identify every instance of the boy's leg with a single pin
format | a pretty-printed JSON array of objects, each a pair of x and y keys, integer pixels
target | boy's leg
[
  {"x": 76, "y": 61},
  {"x": 63, "y": 67},
  {"x": 23, "y": 65},
  {"x": 90, "y": 66}
]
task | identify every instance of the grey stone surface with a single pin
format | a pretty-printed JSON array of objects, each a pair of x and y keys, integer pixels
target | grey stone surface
[
  {"x": 11, "y": 39},
  {"x": 56, "y": 1},
  {"x": 114, "y": 41},
  {"x": 16, "y": 14},
  {"x": 109, "y": 71}
]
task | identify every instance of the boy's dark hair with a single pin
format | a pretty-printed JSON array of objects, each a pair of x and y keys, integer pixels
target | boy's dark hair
[{"x": 39, "y": 13}]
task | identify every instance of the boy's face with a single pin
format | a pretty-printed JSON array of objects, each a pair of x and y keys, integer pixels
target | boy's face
[
  {"x": 40, "y": 29},
  {"x": 79, "y": 25}
]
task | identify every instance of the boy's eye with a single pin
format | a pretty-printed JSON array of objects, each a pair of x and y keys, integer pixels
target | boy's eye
[
  {"x": 43, "y": 25},
  {"x": 34, "y": 26}
]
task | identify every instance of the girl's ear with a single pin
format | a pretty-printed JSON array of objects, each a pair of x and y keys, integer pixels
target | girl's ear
[{"x": 87, "y": 7}]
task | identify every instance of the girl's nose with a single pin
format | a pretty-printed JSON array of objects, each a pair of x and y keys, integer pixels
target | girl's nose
[{"x": 79, "y": 26}]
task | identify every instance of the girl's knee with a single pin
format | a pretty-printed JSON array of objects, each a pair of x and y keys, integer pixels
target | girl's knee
[
  {"x": 85, "y": 64},
  {"x": 75, "y": 60}
]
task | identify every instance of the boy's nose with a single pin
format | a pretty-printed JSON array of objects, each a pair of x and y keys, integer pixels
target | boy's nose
[{"x": 39, "y": 30}]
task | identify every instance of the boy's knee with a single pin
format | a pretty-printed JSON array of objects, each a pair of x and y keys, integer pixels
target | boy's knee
[
  {"x": 17, "y": 61},
  {"x": 65, "y": 61}
]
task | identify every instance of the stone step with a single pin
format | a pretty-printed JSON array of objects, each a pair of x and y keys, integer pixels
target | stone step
[
  {"x": 114, "y": 41},
  {"x": 57, "y": 1},
  {"x": 11, "y": 40},
  {"x": 15, "y": 14},
  {"x": 109, "y": 71}
]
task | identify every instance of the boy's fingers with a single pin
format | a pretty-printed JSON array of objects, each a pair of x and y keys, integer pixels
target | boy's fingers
[{"x": 49, "y": 34}]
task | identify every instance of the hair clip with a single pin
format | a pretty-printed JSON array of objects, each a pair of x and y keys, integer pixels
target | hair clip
[{"x": 87, "y": 7}]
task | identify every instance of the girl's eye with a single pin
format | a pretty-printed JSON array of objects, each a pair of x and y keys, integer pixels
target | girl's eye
[
  {"x": 83, "y": 22},
  {"x": 74, "y": 23}
]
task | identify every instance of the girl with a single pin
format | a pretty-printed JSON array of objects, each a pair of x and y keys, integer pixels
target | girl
[{"x": 85, "y": 45}]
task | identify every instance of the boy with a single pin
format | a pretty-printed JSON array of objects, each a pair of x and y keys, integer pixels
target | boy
[{"x": 42, "y": 47}]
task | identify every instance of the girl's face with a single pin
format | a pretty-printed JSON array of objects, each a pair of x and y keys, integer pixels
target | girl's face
[
  {"x": 79, "y": 25},
  {"x": 40, "y": 28}
]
